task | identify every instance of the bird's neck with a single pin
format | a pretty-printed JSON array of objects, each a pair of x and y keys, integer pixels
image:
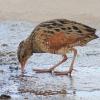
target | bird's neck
[
  {"x": 29, "y": 46},
  {"x": 32, "y": 45}
]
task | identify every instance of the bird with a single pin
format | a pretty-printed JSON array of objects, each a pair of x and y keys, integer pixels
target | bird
[{"x": 56, "y": 36}]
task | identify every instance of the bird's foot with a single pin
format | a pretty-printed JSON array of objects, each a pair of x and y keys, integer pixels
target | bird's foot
[
  {"x": 62, "y": 73},
  {"x": 43, "y": 70},
  {"x": 69, "y": 72}
]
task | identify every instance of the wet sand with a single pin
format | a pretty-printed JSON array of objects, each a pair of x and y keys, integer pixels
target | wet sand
[{"x": 83, "y": 85}]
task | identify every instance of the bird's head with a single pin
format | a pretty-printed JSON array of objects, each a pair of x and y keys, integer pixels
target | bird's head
[{"x": 23, "y": 53}]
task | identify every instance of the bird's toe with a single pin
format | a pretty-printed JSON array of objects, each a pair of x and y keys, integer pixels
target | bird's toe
[
  {"x": 42, "y": 70},
  {"x": 63, "y": 73}
]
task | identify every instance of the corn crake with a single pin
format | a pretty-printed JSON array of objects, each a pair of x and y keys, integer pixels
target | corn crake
[{"x": 58, "y": 36}]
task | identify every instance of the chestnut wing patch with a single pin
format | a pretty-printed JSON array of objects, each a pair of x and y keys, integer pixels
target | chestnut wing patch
[{"x": 60, "y": 40}]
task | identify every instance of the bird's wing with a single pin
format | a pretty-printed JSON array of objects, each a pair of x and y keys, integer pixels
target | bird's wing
[{"x": 61, "y": 39}]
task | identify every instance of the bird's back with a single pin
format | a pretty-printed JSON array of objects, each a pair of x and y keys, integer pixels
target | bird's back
[{"x": 58, "y": 33}]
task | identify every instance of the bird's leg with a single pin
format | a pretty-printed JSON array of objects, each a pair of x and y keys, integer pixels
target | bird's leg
[
  {"x": 71, "y": 66},
  {"x": 52, "y": 68}
]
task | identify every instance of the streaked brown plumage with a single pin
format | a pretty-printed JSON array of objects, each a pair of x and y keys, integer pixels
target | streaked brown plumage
[{"x": 56, "y": 36}]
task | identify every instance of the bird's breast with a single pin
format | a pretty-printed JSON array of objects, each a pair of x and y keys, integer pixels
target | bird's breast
[{"x": 62, "y": 50}]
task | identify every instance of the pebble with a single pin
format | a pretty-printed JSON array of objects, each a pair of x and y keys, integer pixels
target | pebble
[{"x": 5, "y": 97}]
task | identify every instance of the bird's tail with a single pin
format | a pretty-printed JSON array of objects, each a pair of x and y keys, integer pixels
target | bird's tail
[{"x": 97, "y": 33}]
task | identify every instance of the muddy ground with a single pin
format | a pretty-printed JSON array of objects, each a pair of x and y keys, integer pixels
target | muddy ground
[{"x": 83, "y": 85}]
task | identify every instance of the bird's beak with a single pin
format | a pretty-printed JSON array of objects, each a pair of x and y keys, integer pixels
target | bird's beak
[{"x": 22, "y": 66}]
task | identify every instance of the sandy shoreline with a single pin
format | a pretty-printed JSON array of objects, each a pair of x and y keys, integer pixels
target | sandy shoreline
[
  {"x": 45, "y": 86},
  {"x": 83, "y": 11}
]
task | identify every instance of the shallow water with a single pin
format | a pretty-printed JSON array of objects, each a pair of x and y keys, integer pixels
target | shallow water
[{"x": 83, "y": 85}]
